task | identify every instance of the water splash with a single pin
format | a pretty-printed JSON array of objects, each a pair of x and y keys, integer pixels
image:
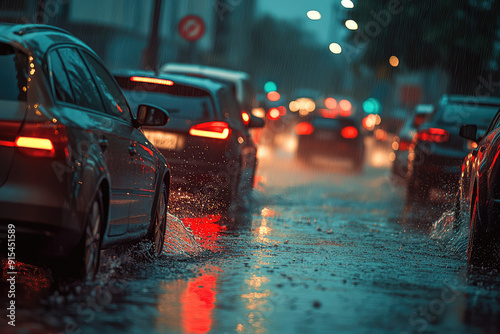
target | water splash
[
  {"x": 452, "y": 231},
  {"x": 179, "y": 239}
]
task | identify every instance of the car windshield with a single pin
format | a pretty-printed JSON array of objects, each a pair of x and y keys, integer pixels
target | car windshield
[
  {"x": 180, "y": 101},
  {"x": 14, "y": 68},
  {"x": 460, "y": 114}
]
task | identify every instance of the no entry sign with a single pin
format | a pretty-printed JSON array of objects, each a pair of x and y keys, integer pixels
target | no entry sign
[{"x": 191, "y": 28}]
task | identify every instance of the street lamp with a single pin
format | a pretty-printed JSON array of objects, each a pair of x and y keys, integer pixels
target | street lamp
[
  {"x": 351, "y": 25},
  {"x": 335, "y": 48},
  {"x": 347, "y": 4},
  {"x": 314, "y": 15}
]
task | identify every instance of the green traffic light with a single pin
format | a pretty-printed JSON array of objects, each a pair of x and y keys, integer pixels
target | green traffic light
[
  {"x": 270, "y": 87},
  {"x": 372, "y": 106}
]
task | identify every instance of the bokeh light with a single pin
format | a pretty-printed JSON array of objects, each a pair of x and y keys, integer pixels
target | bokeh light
[
  {"x": 314, "y": 15},
  {"x": 335, "y": 48}
]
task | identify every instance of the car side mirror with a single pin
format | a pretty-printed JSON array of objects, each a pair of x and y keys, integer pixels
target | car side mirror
[
  {"x": 151, "y": 115},
  {"x": 256, "y": 122},
  {"x": 469, "y": 131}
]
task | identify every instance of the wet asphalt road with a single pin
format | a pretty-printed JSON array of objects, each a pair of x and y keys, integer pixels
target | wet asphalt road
[{"x": 314, "y": 249}]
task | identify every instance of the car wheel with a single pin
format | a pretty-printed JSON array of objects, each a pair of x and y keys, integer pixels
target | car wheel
[
  {"x": 85, "y": 260},
  {"x": 159, "y": 224},
  {"x": 479, "y": 248}
]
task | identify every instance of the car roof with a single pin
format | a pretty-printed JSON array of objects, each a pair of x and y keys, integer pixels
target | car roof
[
  {"x": 38, "y": 38},
  {"x": 208, "y": 71},
  {"x": 470, "y": 100},
  {"x": 211, "y": 86}
]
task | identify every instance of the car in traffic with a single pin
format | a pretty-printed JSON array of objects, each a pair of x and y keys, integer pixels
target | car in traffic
[
  {"x": 206, "y": 142},
  {"x": 478, "y": 200},
  {"x": 437, "y": 151},
  {"x": 331, "y": 137},
  {"x": 77, "y": 173},
  {"x": 238, "y": 81},
  {"x": 401, "y": 142}
]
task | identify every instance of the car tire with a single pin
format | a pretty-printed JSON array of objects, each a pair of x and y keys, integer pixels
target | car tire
[
  {"x": 479, "y": 247},
  {"x": 158, "y": 225},
  {"x": 84, "y": 262}
]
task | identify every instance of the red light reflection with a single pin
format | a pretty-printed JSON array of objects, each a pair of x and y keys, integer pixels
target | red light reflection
[
  {"x": 197, "y": 302},
  {"x": 206, "y": 230}
]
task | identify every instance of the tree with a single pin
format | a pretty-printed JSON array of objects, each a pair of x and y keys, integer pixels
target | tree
[{"x": 457, "y": 36}]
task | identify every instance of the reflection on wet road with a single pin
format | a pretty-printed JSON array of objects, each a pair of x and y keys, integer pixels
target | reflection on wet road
[{"x": 314, "y": 249}]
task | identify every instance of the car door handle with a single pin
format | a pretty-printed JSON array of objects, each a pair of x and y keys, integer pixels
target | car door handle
[
  {"x": 103, "y": 143},
  {"x": 132, "y": 149}
]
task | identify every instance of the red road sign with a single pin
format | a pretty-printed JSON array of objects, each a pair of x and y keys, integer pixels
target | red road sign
[{"x": 191, "y": 28}]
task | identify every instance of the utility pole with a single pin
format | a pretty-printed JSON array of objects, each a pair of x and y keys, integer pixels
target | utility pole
[{"x": 150, "y": 53}]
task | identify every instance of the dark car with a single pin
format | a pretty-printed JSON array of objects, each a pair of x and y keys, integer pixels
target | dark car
[
  {"x": 437, "y": 151},
  {"x": 206, "y": 141},
  {"x": 331, "y": 137},
  {"x": 76, "y": 174},
  {"x": 479, "y": 193},
  {"x": 402, "y": 141}
]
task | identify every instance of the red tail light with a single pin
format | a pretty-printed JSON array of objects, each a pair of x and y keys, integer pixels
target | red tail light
[
  {"x": 304, "y": 129},
  {"x": 349, "y": 132},
  {"x": 404, "y": 145},
  {"x": 433, "y": 135},
  {"x": 246, "y": 117},
  {"x": 153, "y": 81},
  {"x": 43, "y": 140},
  {"x": 216, "y": 130}
]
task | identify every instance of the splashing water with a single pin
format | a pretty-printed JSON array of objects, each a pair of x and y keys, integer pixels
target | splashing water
[
  {"x": 179, "y": 240},
  {"x": 453, "y": 232}
]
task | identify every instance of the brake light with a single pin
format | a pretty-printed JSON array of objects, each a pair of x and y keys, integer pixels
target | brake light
[
  {"x": 404, "y": 145},
  {"x": 43, "y": 140},
  {"x": 215, "y": 130},
  {"x": 349, "y": 132},
  {"x": 304, "y": 129},
  {"x": 153, "y": 81},
  {"x": 433, "y": 135},
  {"x": 246, "y": 117}
]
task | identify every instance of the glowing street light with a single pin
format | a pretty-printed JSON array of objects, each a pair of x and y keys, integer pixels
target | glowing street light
[
  {"x": 314, "y": 15},
  {"x": 335, "y": 48},
  {"x": 351, "y": 25},
  {"x": 394, "y": 61},
  {"x": 347, "y": 4}
]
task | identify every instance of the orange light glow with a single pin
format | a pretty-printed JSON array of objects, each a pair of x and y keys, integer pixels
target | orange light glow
[
  {"x": 153, "y": 81},
  {"x": 474, "y": 145},
  {"x": 345, "y": 108},
  {"x": 35, "y": 143},
  {"x": 329, "y": 113},
  {"x": 273, "y": 114},
  {"x": 246, "y": 117},
  {"x": 330, "y": 103},
  {"x": 304, "y": 129},
  {"x": 349, "y": 132},
  {"x": 215, "y": 130},
  {"x": 273, "y": 96},
  {"x": 380, "y": 134}
]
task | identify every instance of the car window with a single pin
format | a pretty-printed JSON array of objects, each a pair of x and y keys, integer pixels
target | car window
[
  {"x": 85, "y": 90},
  {"x": 112, "y": 94},
  {"x": 181, "y": 101},
  {"x": 60, "y": 80},
  {"x": 229, "y": 105},
  {"x": 14, "y": 68},
  {"x": 459, "y": 114}
]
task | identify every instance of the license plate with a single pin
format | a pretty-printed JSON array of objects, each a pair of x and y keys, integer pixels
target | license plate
[
  {"x": 325, "y": 135},
  {"x": 164, "y": 140}
]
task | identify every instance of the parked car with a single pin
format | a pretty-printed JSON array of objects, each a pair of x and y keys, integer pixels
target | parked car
[
  {"x": 337, "y": 137},
  {"x": 239, "y": 82},
  {"x": 401, "y": 143},
  {"x": 77, "y": 174},
  {"x": 437, "y": 151},
  {"x": 206, "y": 142},
  {"x": 479, "y": 193}
]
